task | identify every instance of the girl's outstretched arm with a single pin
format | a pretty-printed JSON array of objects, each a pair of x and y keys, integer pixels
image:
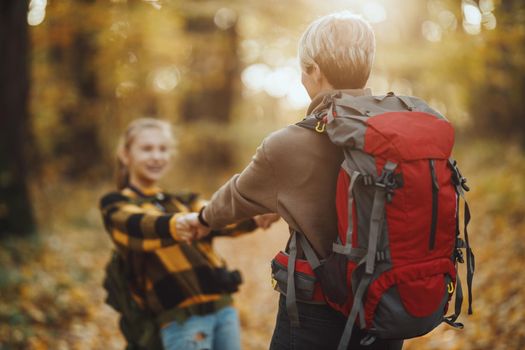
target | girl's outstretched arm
[{"x": 135, "y": 228}]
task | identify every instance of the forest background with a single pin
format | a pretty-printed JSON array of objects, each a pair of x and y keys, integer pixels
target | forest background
[{"x": 225, "y": 74}]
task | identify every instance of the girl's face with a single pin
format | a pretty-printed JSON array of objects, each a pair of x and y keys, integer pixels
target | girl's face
[{"x": 148, "y": 157}]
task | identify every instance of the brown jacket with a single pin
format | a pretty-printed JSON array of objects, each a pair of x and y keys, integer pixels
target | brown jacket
[{"x": 293, "y": 173}]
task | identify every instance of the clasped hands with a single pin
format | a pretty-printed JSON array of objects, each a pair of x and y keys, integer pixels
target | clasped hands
[{"x": 189, "y": 227}]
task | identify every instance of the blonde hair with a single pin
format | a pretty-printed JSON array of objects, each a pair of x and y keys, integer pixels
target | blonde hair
[
  {"x": 126, "y": 140},
  {"x": 343, "y": 46}
]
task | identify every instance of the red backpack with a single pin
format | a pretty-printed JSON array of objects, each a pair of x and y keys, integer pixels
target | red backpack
[{"x": 394, "y": 264}]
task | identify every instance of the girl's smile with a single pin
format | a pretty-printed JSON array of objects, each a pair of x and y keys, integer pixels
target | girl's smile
[{"x": 148, "y": 157}]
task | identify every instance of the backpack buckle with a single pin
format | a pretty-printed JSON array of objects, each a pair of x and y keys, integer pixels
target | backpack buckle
[
  {"x": 459, "y": 256},
  {"x": 388, "y": 181},
  {"x": 368, "y": 340},
  {"x": 457, "y": 177},
  {"x": 464, "y": 184},
  {"x": 273, "y": 282}
]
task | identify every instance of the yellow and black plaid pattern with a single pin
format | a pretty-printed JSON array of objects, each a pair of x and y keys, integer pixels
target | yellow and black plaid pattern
[{"x": 168, "y": 276}]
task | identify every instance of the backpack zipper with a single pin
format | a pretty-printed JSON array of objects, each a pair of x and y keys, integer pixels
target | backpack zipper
[{"x": 435, "y": 190}]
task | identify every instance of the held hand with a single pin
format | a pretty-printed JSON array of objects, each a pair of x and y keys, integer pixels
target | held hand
[
  {"x": 185, "y": 231},
  {"x": 264, "y": 221},
  {"x": 201, "y": 231},
  {"x": 189, "y": 227}
]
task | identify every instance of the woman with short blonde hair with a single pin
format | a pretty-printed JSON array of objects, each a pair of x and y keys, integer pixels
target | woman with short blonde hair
[
  {"x": 294, "y": 173},
  {"x": 342, "y": 45}
]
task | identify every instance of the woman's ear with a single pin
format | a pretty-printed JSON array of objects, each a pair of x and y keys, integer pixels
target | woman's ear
[
  {"x": 316, "y": 73},
  {"x": 321, "y": 79}
]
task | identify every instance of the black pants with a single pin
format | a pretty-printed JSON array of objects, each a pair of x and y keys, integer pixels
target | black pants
[{"x": 321, "y": 329}]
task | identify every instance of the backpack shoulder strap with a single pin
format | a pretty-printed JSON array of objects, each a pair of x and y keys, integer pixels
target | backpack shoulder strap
[{"x": 298, "y": 240}]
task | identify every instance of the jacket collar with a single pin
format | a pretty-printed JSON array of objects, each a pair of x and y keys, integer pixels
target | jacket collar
[{"x": 318, "y": 99}]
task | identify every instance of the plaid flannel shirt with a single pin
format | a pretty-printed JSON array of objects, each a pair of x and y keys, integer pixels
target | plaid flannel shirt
[{"x": 171, "y": 278}]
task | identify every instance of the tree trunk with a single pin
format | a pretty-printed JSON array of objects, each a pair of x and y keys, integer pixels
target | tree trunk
[
  {"x": 74, "y": 61},
  {"x": 210, "y": 90},
  {"x": 212, "y": 68},
  {"x": 497, "y": 101},
  {"x": 16, "y": 214}
]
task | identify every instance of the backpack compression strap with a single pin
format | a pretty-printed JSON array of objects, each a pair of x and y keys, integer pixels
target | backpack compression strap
[
  {"x": 383, "y": 190},
  {"x": 347, "y": 249},
  {"x": 460, "y": 185}
]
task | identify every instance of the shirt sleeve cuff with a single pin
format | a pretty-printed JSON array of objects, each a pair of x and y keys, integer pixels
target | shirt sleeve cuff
[{"x": 202, "y": 221}]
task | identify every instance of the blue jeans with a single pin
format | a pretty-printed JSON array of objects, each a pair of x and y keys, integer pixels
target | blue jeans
[
  {"x": 217, "y": 331},
  {"x": 321, "y": 329}
]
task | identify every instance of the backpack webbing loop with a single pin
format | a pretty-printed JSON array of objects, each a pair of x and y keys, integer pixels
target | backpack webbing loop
[{"x": 451, "y": 320}]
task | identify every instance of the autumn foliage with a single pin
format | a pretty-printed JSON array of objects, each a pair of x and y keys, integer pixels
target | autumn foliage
[{"x": 224, "y": 74}]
